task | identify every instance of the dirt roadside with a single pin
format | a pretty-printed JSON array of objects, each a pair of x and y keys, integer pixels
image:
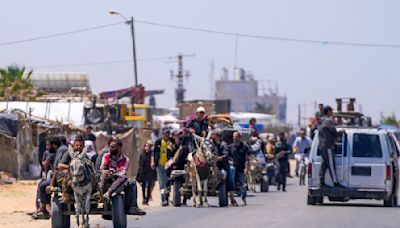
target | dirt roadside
[{"x": 17, "y": 200}]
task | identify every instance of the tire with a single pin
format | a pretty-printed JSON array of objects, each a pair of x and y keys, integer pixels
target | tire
[
  {"x": 58, "y": 220},
  {"x": 118, "y": 211},
  {"x": 319, "y": 200},
  {"x": 391, "y": 202},
  {"x": 176, "y": 197},
  {"x": 311, "y": 200},
  {"x": 222, "y": 195},
  {"x": 265, "y": 184}
]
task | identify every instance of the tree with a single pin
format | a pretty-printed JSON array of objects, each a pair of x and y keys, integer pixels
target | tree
[
  {"x": 262, "y": 108},
  {"x": 15, "y": 84},
  {"x": 390, "y": 120}
]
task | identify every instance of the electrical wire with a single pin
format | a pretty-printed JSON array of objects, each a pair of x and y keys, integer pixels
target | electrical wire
[
  {"x": 254, "y": 36},
  {"x": 60, "y": 34},
  {"x": 276, "y": 38}
]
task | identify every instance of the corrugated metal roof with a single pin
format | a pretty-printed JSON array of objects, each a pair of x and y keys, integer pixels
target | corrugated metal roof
[{"x": 60, "y": 81}]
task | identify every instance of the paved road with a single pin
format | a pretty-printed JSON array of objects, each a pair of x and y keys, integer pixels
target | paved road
[{"x": 272, "y": 209}]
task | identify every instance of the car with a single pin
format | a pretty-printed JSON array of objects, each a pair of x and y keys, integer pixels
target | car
[{"x": 366, "y": 161}]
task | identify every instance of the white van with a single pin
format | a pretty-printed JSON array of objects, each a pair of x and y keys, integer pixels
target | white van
[{"x": 366, "y": 164}]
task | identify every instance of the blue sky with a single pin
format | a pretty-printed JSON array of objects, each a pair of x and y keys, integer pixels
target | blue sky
[{"x": 305, "y": 72}]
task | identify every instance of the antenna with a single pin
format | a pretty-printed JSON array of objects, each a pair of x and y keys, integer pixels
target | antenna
[
  {"x": 235, "y": 57},
  {"x": 212, "y": 79},
  {"x": 180, "y": 89},
  {"x": 276, "y": 87}
]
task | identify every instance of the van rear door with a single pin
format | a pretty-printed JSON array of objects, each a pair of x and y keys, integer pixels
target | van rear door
[
  {"x": 367, "y": 166},
  {"x": 341, "y": 161}
]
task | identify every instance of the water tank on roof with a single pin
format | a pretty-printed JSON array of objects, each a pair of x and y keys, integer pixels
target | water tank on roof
[{"x": 240, "y": 74}]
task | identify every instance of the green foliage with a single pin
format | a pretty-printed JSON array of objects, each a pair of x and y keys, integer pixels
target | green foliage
[
  {"x": 262, "y": 108},
  {"x": 15, "y": 84},
  {"x": 390, "y": 120}
]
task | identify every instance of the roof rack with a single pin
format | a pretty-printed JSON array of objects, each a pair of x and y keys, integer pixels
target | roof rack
[{"x": 354, "y": 127}]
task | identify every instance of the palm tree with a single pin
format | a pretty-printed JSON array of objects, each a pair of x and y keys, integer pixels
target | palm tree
[{"x": 15, "y": 84}]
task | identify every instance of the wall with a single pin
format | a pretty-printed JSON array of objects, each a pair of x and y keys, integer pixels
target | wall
[
  {"x": 18, "y": 155},
  {"x": 8, "y": 155}
]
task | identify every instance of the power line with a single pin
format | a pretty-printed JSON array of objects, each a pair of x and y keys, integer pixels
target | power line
[
  {"x": 276, "y": 38},
  {"x": 187, "y": 28},
  {"x": 60, "y": 34},
  {"x": 100, "y": 63}
]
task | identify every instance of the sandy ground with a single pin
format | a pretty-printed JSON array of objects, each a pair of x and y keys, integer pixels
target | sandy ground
[
  {"x": 16, "y": 200},
  {"x": 19, "y": 199}
]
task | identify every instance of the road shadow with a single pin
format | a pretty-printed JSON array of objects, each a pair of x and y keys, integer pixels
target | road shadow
[{"x": 332, "y": 204}]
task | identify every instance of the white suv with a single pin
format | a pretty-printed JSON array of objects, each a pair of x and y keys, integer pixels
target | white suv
[{"x": 366, "y": 164}]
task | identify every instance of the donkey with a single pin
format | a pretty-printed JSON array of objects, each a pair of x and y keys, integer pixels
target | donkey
[
  {"x": 254, "y": 174},
  {"x": 200, "y": 168},
  {"x": 82, "y": 177}
]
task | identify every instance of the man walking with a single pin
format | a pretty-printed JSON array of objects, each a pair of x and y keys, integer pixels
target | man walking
[
  {"x": 327, "y": 135},
  {"x": 221, "y": 152},
  {"x": 164, "y": 149},
  {"x": 282, "y": 150},
  {"x": 239, "y": 156}
]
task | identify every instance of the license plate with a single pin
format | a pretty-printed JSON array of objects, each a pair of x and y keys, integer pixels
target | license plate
[{"x": 360, "y": 171}]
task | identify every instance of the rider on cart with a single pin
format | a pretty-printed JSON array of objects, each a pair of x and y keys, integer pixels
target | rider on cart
[
  {"x": 114, "y": 168},
  {"x": 199, "y": 124}
]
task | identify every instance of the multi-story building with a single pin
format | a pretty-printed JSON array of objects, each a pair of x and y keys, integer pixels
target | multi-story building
[{"x": 244, "y": 95}]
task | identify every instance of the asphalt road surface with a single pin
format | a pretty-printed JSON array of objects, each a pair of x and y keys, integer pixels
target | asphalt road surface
[{"x": 272, "y": 209}]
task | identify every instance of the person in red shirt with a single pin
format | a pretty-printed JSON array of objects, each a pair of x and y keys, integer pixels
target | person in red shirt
[
  {"x": 114, "y": 168},
  {"x": 252, "y": 125}
]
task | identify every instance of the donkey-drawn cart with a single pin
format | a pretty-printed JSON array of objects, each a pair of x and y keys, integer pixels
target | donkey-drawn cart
[
  {"x": 77, "y": 193},
  {"x": 113, "y": 210},
  {"x": 185, "y": 183}
]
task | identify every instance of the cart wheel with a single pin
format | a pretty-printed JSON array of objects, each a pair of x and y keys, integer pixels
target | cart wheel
[
  {"x": 176, "y": 199},
  {"x": 265, "y": 184},
  {"x": 58, "y": 220},
  {"x": 222, "y": 194},
  {"x": 118, "y": 211}
]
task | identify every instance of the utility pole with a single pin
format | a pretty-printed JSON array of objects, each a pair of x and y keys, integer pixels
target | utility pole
[
  {"x": 180, "y": 89},
  {"x": 134, "y": 51},
  {"x": 131, "y": 23},
  {"x": 299, "y": 117},
  {"x": 212, "y": 94}
]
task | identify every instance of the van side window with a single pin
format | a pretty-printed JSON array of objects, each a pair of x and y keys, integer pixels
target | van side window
[
  {"x": 339, "y": 146},
  {"x": 367, "y": 146},
  {"x": 397, "y": 135},
  {"x": 392, "y": 146}
]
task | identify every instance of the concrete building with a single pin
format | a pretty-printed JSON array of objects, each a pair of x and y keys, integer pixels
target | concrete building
[{"x": 245, "y": 97}]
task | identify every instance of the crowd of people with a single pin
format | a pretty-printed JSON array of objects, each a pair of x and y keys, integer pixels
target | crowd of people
[
  {"x": 232, "y": 158},
  {"x": 158, "y": 158}
]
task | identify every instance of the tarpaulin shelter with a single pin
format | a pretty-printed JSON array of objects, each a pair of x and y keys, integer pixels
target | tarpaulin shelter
[
  {"x": 20, "y": 138},
  {"x": 17, "y": 152}
]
